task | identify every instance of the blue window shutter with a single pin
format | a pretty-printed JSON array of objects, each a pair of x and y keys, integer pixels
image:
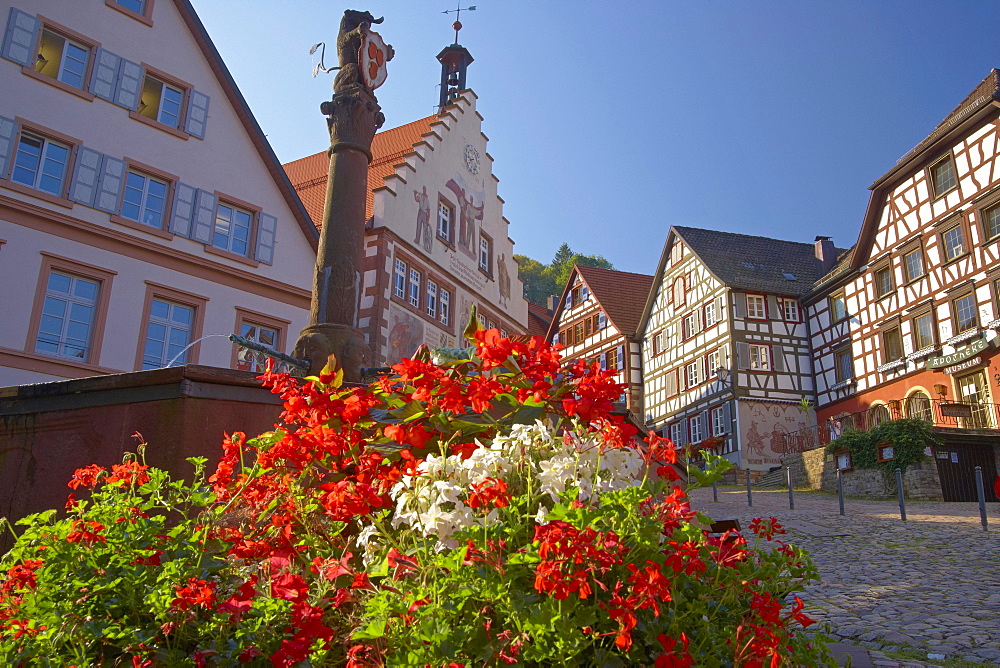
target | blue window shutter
[
  {"x": 604, "y": 360},
  {"x": 86, "y": 174},
  {"x": 128, "y": 85},
  {"x": 197, "y": 114},
  {"x": 584, "y": 293},
  {"x": 555, "y": 338},
  {"x": 602, "y": 320},
  {"x": 104, "y": 78},
  {"x": 621, "y": 357},
  {"x": 569, "y": 301},
  {"x": 203, "y": 222},
  {"x": 182, "y": 210},
  {"x": 8, "y": 130},
  {"x": 19, "y": 39},
  {"x": 267, "y": 229},
  {"x": 109, "y": 187}
]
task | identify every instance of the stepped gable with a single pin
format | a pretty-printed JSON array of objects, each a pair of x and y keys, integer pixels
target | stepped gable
[
  {"x": 622, "y": 294},
  {"x": 987, "y": 91},
  {"x": 309, "y": 174},
  {"x": 755, "y": 263}
]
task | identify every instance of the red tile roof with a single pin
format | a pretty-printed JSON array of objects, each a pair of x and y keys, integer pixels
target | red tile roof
[
  {"x": 621, "y": 293},
  {"x": 539, "y": 320},
  {"x": 309, "y": 174}
]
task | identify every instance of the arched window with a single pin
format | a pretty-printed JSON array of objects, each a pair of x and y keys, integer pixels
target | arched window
[
  {"x": 918, "y": 405},
  {"x": 878, "y": 414}
]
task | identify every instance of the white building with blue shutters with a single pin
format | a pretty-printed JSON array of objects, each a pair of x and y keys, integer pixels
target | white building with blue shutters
[{"x": 141, "y": 207}]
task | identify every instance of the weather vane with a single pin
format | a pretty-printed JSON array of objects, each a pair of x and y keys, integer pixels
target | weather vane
[{"x": 457, "y": 25}]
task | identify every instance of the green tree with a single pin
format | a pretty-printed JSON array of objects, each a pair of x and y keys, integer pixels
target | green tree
[{"x": 542, "y": 280}]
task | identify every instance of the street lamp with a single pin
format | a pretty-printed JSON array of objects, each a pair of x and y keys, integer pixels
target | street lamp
[{"x": 722, "y": 375}]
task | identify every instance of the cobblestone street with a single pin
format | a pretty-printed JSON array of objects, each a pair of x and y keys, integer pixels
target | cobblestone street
[{"x": 931, "y": 583}]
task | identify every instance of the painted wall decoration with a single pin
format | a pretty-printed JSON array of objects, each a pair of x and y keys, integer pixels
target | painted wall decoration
[
  {"x": 766, "y": 425},
  {"x": 470, "y": 210},
  {"x": 425, "y": 234},
  {"x": 406, "y": 333},
  {"x": 504, "y": 280}
]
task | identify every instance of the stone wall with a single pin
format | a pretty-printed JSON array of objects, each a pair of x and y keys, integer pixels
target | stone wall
[{"x": 814, "y": 469}]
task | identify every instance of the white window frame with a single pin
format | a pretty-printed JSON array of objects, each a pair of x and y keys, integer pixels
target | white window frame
[
  {"x": 760, "y": 356},
  {"x": 444, "y": 305},
  {"x": 432, "y": 292},
  {"x": 689, "y": 324},
  {"x": 144, "y": 206},
  {"x": 719, "y": 426},
  {"x": 69, "y": 299},
  {"x": 399, "y": 279},
  {"x": 414, "y": 295},
  {"x": 45, "y": 161},
  {"x": 163, "y": 115},
  {"x": 710, "y": 314},
  {"x": 714, "y": 362},
  {"x": 694, "y": 425},
  {"x": 790, "y": 310},
  {"x": 756, "y": 307},
  {"x": 255, "y": 361},
  {"x": 171, "y": 326},
  {"x": 62, "y": 69},
  {"x": 445, "y": 220},
  {"x": 676, "y": 434},
  {"x": 485, "y": 254},
  {"x": 236, "y": 219},
  {"x": 692, "y": 374}
]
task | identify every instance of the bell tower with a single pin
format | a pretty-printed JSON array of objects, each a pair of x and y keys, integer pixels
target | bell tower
[{"x": 455, "y": 61}]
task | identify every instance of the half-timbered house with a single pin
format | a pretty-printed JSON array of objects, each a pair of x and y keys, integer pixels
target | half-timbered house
[
  {"x": 907, "y": 325},
  {"x": 725, "y": 350},
  {"x": 596, "y": 320}
]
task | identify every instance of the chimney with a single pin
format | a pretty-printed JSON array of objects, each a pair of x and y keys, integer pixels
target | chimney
[
  {"x": 826, "y": 254},
  {"x": 550, "y": 304}
]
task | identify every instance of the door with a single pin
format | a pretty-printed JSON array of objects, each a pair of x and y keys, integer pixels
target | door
[
  {"x": 973, "y": 389},
  {"x": 956, "y": 464}
]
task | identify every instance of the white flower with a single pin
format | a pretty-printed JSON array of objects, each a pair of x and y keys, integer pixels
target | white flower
[{"x": 541, "y": 515}]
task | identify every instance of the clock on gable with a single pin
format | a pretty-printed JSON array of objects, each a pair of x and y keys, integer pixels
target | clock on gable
[{"x": 471, "y": 158}]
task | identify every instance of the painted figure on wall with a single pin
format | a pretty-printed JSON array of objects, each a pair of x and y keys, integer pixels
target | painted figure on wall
[
  {"x": 469, "y": 212},
  {"x": 504, "y": 280},
  {"x": 425, "y": 236},
  {"x": 406, "y": 335},
  {"x": 755, "y": 441}
]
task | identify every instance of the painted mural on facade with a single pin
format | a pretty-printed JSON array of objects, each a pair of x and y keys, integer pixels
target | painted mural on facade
[
  {"x": 425, "y": 235},
  {"x": 470, "y": 205},
  {"x": 406, "y": 333},
  {"x": 764, "y": 425}
]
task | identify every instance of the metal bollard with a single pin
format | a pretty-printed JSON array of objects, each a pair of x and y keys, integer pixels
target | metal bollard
[
  {"x": 840, "y": 489},
  {"x": 791, "y": 499},
  {"x": 899, "y": 490},
  {"x": 715, "y": 491},
  {"x": 749, "y": 492},
  {"x": 981, "y": 493}
]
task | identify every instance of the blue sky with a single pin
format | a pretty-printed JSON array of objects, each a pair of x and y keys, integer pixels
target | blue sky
[{"x": 610, "y": 122}]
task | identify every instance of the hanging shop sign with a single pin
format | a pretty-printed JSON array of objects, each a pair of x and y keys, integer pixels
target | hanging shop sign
[
  {"x": 974, "y": 348},
  {"x": 956, "y": 410}
]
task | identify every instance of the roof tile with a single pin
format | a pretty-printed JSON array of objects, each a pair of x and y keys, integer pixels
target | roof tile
[
  {"x": 622, "y": 294},
  {"x": 309, "y": 174}
]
